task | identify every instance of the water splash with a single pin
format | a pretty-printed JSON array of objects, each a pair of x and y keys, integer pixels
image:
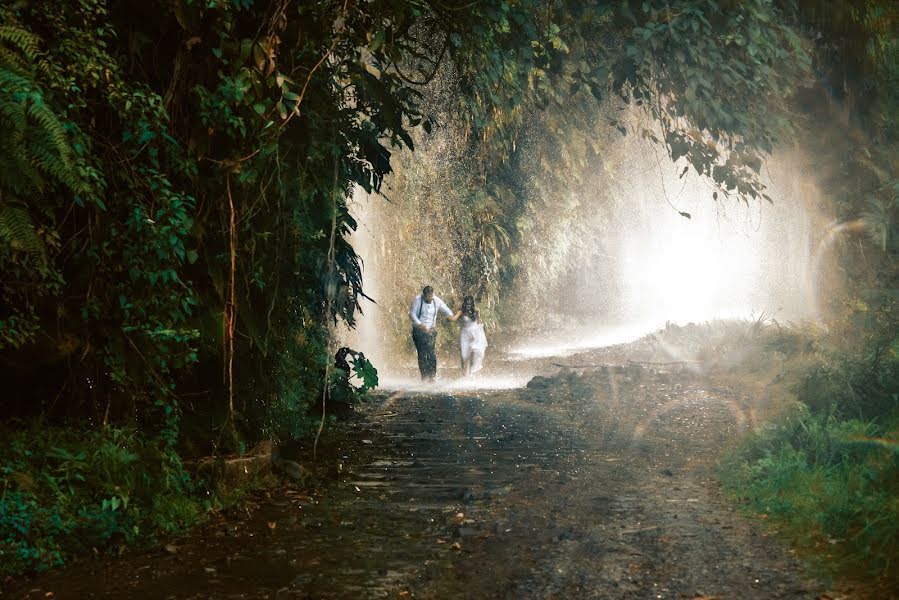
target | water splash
[
  {"x": 631, "y": 255},
  {"x": 613, "y": 260},
  {"x": 452, "y": 381},
  {"x": 572, "y": 342}
]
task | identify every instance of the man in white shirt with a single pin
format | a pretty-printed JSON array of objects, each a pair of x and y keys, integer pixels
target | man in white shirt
[{"x": 424, "y": 330}]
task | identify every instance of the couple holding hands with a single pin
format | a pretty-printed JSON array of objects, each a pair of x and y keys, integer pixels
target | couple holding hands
[{"x": 472, "y": 341}]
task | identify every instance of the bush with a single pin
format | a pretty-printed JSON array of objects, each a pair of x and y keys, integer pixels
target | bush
[
  {"x": 827, "y": 483},
  {"x": 860, "y": 384},
  {"x": 64, "y": 492}
]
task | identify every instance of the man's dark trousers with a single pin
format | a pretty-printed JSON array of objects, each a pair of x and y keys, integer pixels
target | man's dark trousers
[{"x": 425, "y": 342}]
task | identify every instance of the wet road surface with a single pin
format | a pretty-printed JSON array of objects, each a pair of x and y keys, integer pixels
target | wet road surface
[{"x": 592, "y": 484}]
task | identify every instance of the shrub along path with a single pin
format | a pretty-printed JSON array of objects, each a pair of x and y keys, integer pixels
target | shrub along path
[{"x": 592, "y": 484}]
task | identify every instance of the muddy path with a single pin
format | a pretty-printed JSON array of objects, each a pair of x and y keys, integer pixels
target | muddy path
[{"x": 590, "y": 484}]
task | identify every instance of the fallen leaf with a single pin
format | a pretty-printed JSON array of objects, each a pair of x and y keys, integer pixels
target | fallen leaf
[
  {"x": 272, "y": 525},
  {"x": 456, "y": 546},
  {"x": 171, "y": 548}
]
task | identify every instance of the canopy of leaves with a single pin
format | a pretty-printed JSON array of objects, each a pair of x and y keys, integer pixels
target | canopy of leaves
[{"x": 174, "y": 175}]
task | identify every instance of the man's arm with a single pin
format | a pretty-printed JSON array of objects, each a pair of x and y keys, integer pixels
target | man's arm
[
  {"x": 413, "y": 312},
  {"x": 445, "y": 309}
]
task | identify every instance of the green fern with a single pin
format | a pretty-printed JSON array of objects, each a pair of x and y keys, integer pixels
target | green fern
[
  {"x": 13, "y": 115},
  {"x": 35, "y": 150},
  {"x": 51, "y": 127},
  {"x": 19, "y": 178},
  {"x": 46, "y": 156},
  {"x": 22, "y": 40},
  {"x": 17, "y": 229},
  {"x": 34, "y": 147},
  {"x": 11, "y": 60}
]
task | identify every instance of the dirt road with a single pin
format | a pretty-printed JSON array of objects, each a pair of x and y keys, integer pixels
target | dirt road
[{"x": 596, "y": 484}]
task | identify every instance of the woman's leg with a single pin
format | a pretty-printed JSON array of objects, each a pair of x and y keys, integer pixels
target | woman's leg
[
  {"x": 476, "y": 362},
  {"x": 464, "y": 354}
]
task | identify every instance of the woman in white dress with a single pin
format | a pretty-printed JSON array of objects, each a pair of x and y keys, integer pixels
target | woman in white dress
[{"x": 472, "y": 341}]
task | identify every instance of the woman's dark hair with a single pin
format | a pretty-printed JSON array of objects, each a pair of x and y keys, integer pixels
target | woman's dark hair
[{"x": 468, "y": 308}]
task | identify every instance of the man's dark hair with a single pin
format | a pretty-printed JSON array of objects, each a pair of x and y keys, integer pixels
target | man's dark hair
[{"x": 427, "y": 290}]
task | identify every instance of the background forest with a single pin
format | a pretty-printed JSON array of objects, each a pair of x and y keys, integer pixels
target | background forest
[{"x": 174, "y": 223}]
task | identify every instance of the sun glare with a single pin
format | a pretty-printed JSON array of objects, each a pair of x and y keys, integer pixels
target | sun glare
[{"x": 690, "y": 271}]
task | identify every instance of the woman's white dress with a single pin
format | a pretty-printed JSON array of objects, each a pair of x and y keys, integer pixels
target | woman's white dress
[{"x": 473, "y": 342}]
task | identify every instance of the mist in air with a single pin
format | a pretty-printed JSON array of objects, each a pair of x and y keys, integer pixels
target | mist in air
[{"x": 631, "y": 248}]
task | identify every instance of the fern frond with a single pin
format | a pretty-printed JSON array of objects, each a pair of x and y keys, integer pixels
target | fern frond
[
  {"x": 12, "y": 61},
  {"x": 44, "y": 157},
  {"x": 50, "y": 125},
  {"x": 12, "y": 115},
  {"x": 21, "y": 181},
  {"x": 22, "y": 39},
  {"x": 15, "y": 84},
  {"x": 42, "y": 206},
  {"x": 18, "y": 176},
  {"x": 34, "y": 145},
  {"x": 18, "y": 230}
]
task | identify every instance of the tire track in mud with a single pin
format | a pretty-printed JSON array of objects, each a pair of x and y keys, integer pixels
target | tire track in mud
[{"x": 586, "y": 486}]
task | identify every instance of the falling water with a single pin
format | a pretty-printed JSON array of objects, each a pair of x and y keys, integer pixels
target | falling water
[
  {"x": 642, "y": 247},
  {"x": 653, "y": 248},
  {"x": 368, "y": 336}
]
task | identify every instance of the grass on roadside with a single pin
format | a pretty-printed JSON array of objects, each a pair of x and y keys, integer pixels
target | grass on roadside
[
  {"x": 831, "y": 486},
  {"x": 822, "y": 467},
  {"x": 66, "y": 492}
]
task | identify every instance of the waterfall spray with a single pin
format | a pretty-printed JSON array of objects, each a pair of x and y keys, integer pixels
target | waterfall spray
[{"x": 639, "y": 242}]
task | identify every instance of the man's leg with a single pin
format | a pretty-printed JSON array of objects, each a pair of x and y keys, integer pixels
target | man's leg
[
  {"x": 431, "y": 360},
  {"x": 421, "y": 348}
]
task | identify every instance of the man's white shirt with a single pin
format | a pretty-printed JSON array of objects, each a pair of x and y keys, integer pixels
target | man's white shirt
[{"x": 428, "y": 311}]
